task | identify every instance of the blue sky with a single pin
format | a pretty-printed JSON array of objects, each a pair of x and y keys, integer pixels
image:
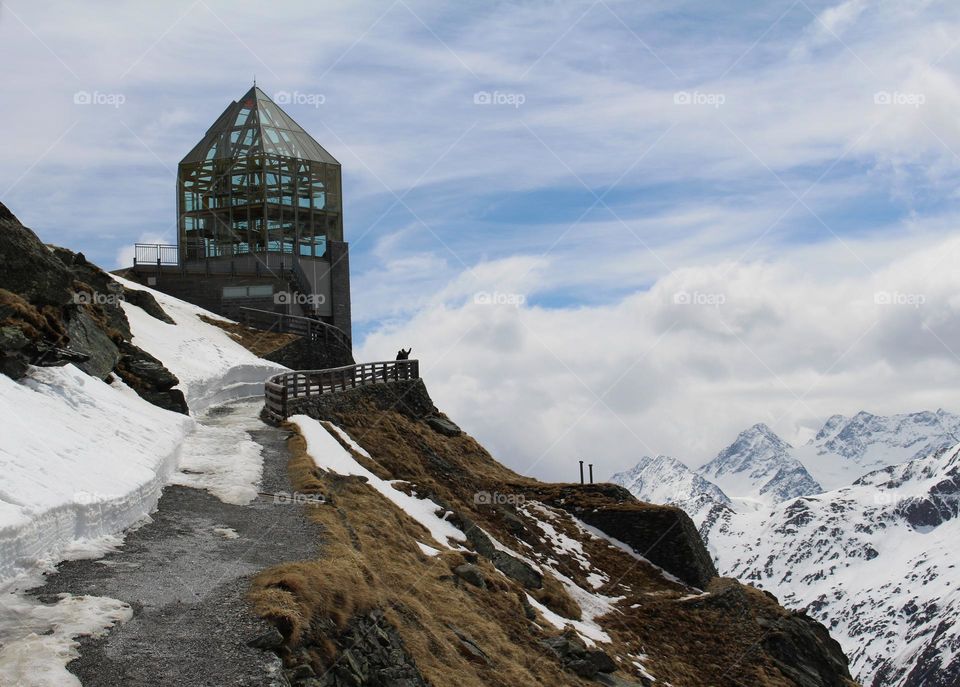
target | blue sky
[{"x": 788, "y": 151}]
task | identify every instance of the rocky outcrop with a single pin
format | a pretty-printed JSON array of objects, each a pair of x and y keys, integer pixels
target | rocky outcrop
[
  {"x": 511, "y": 566},
  {"x": 800, "y": 647},
  {"x": 409, "y": 397},
  {"x": 56, "y": 307},
  {"x": 576, "y": 657},
  {"x": 150, "y": 379},
  {"x": 86, "y": 335},
  {"x": 30, "y": 268},
  {"x": 664, "y": 535},
  {"x": 369, "y": 652}
]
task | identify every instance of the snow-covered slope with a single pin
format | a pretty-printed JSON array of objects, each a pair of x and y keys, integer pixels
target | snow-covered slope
[
  {"x": 212, "y": 367},
  {"x": 666, "y": 480},
  {"x": 847, "y": 447},
  {"x": 876, "y": 562},
  {"x": 874, "y": 558},
  {"x": 758, "y": 468},
  {"x": 81, "y": 458}
]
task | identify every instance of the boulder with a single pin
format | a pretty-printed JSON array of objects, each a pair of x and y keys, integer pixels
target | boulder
[
  {"x": 443, "y": 426},
  {"x": 664, "y": 535},
  {"x": 471, "y": 574},
  {"x": 512, "y": 567},
  {"x": 150, "y": 379},
  {"x": 148, "y": 302},
  {"x": 576, "y": 657},
  {"x": 30, "y": 269},
  {"x": 87, "y": 337}
]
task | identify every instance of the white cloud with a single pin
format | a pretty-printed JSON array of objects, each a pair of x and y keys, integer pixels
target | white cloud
[{"x": 648, "y": 374}]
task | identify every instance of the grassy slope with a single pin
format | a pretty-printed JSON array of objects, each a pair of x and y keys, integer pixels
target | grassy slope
[{"x": 370, "y": 559}]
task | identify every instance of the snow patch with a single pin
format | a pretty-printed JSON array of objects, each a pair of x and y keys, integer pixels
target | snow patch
[
  {"x": 221, "y": 457},
  {"x": 329, "y": 455},
  {"x": 212, "y": 368},
  {"x": 37, "y": 640}
]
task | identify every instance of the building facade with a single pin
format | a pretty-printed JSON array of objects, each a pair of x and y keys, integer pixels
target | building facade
[{"x": 260, "y": 221}]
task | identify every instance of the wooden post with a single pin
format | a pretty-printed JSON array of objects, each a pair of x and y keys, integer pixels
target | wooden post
[{"x": 581, "y": 472}]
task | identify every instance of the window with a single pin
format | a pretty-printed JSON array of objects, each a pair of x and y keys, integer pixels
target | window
[{"x": 256, "y": 291}]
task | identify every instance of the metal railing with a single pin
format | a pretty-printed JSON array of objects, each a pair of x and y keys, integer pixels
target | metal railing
[
  {"x": 155, "y": 254},
  {"x": 307, "y": 327},
  {"x": 283, "y": 388}
]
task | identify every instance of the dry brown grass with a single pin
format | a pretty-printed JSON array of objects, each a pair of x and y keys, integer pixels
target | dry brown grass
[
  {"x": 37, "y": 325},
  {"x": 257, "y": 341},
  {"x": 369, "y": 559},
  {"x": 686, "y": 643}
]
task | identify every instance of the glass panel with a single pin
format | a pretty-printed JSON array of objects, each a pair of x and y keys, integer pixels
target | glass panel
[
  {"x": 260, "y": 291},
  {"x": 235, "y": 291}
]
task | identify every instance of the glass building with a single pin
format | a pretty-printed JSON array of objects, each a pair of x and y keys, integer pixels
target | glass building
[{"x": 257, "y": 183}]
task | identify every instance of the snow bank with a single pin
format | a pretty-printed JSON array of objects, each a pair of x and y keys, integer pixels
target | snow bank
[
  {"x": 79, "y": 459},
  {"x": 329, "y": 455},
  {"x": 212, "y": 367}
]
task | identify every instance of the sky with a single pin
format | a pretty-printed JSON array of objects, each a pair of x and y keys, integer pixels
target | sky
[{"x": 607, "y": 229}]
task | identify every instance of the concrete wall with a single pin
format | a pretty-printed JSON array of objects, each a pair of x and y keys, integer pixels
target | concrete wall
[
  {"x": 329, "y": 281},
  {"x": 339, "y": 253}
]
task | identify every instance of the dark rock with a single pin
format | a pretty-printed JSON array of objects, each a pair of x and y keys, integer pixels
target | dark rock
[
  {"x": 370, "y": 653},
  {"x": 270, "y": 640},
  {"x": 409, "y": 397},
  {"x": 146, "y": 301},
  {"x": 471, "y": 574},
  {"x": 147, "y": 369},
  {"x": 443, "y": 426},
  {"x": 54, "y": 356},
  {"x": 512, "y": 567},
  {"x": 150, "y": 379},
  {"x": 469, "y": 648},
  {"x": 30, "y": 269},
  {"x": 577, "y": 658},
  {"x": 664, "y": 535},
  {"x": 804, "y": 651},
  {"x": 87, "y": 336}
]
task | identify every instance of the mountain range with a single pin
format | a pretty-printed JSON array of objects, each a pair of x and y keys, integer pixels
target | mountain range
[{"x": 855, "y": 527}]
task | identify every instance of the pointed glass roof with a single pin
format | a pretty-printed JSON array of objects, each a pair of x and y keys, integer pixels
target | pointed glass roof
[{"x": 255, "y": 125}]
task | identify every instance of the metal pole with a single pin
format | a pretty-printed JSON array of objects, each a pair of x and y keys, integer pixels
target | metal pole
[
  {"x": 581, "y": 472},
  {"x": 591, "y": 473}
]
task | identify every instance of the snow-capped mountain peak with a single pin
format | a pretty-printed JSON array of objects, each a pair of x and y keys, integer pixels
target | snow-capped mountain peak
[
  {"x": 759, "y": 466},
  {"x": 846, "y": 448},
  {"x": 874, "y": 561},
  {"x": 662, "y": 479}
]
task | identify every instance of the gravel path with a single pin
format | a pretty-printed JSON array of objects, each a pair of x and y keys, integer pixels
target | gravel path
[{"x": 186, "y": 574}]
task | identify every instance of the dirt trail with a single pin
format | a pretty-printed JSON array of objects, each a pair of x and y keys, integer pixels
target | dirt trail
[{"x": 186, "y": 574}]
